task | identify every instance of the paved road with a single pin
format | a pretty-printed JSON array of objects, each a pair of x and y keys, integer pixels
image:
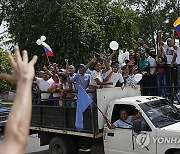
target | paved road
[{"x": 33, "y": 146}]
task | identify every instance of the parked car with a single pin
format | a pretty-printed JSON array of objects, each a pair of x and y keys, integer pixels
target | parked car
[{"x": 4, "y": 113}]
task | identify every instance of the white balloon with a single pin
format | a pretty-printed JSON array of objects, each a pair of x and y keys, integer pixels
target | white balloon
[
  {"x": 39, "y": 42},
  {"x": 138, "y": 77},
  {"x": 114, "y": 45},
  {"x": 43, "y": 38}
]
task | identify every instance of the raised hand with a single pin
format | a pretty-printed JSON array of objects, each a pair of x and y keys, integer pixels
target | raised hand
[
  {"x": 94, "y": 59},
  {"x": 21, "y": 69}
]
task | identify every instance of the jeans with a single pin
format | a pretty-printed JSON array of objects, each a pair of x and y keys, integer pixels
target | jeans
[{"x": 161, "y": 82}]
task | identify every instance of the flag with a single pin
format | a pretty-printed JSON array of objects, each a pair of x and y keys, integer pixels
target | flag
[
  {"x": 176, "y": 25},
  {"x": 83, "y": 101},
  {"x": 48, "y": 50}
]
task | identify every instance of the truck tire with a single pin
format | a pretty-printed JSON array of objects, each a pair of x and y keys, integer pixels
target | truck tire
[
  {"x": 60, "y": 145},
  {"x": 75, "y": 148},
  {"x": 176, "y": 152}
]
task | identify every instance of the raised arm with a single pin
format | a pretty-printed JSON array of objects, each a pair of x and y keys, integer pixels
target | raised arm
[
  {"x": 112, "y": 55},
  {"x": 160, "y": 41},
  {"x": 67, "y": 64},
  {"x": 48, "y": 71},
  {"x": 93, "y": 60},
  {"x": 134, "y": 117},
  {"x": 108, "y": 76},
  {"x": 104, "y": 58},
  {"x": 17, "y": 128},
  {"x": 148, "y": 51}
]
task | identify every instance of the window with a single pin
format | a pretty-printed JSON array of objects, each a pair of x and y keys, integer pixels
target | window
[{"x": 131, "y": 111}]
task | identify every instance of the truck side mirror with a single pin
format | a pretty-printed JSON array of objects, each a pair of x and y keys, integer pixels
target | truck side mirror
[{"x": 137, "y": 126}]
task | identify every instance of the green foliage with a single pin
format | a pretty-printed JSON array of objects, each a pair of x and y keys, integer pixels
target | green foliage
[
  {"x": 4, "y": 68},
  {"x": 74, "y": 29},
  {"x": 153, "y": 16}
]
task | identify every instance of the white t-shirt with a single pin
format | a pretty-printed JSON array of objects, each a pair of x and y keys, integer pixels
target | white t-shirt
[
  {"x": 169, "y": 52},
  {"x": 95, "y": 75},
  {"x": 122, "y": 57},
  {"x": 115, "y": 77},
  {"x": 152, "y": 63},
  {"x": 44, "y": 85},
  {"x": 178, "y": 56}
]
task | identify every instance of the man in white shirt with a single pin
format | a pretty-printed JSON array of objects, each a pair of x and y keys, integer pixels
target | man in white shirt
[
  {"x": 168, "y": 49},
  {"x": 152, "y": 75},
  {"x": 123, "y": 56},
  {"x": 44, "y": 84},
  {"x": 171, "y": 55},
  {"x": 113, "y": 75}
]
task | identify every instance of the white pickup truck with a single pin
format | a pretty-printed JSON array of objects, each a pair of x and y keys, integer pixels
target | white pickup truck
[{"x": 157, "y": 131}]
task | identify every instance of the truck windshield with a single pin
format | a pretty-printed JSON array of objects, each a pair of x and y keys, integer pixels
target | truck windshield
[{"x": 161, "y": 112}]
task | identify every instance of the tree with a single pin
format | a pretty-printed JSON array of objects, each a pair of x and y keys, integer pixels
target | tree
[
  {"x": 150, "y": 19},
  {"x": 171, "y": 13},
  {"x": 73, "y": 28},
  {"x": 4, "y": 67}
]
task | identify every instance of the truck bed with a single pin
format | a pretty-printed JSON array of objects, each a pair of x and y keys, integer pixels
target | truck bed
[{"x": 62, "y": 120}]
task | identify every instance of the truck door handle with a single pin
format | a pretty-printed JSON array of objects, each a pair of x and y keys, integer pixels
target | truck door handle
[{"x": 110, "y": 134}]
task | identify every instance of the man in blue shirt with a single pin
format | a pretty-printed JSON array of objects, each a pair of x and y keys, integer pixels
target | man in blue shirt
[
  {"x": 80, "y": 78},
  {"x": 124, "y": 121}
]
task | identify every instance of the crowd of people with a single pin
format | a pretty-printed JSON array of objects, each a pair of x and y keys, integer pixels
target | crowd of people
[
  {"x": 56, "y": 83},
  {"x": 158, "y": 68}
]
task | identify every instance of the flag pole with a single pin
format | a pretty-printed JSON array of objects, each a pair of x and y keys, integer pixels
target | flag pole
[
  {"x": 48, "y": 59},
  {"x": 101, "y": 112}
]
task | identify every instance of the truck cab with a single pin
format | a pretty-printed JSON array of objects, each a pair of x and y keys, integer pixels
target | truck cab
[{"x": 159, "y": 127}]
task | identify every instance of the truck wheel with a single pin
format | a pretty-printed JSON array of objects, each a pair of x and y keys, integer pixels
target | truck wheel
[
  {"x": 177, "y": 152},
  {"x": 60, "y": 145},
  {"x": 75, "y": 148}
]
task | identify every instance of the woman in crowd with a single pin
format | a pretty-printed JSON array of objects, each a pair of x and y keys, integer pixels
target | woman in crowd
[
  {"x": 67, "y": 88},
  {"x": 56, "y": 89}
]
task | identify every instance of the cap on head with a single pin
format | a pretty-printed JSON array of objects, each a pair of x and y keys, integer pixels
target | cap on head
[{"x": 81, "y": 65}]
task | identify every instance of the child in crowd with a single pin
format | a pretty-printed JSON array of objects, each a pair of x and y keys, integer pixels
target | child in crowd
[{"x": 128, "y": 76}]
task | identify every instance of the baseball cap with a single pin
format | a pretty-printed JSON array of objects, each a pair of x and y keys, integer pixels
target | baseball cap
[{"x": 82, "y": 65}]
